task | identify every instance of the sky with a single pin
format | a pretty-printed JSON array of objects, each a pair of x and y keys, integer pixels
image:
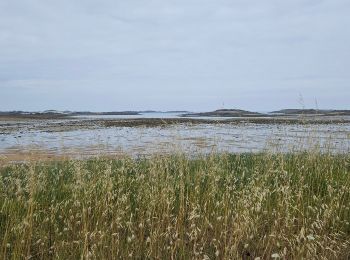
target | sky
[{"x": 197, "y": 55}]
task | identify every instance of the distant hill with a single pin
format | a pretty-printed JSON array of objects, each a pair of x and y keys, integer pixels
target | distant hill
[
  {"x": 324, "y": 112},
  {"x": 225, "y": 113}
]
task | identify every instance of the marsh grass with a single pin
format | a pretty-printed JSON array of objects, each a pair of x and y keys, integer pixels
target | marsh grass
[{"x": 221, "y": 206}]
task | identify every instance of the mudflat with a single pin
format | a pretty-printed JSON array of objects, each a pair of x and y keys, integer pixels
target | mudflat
[
  {"x": 52, "y": 136},
  {"x": 61, "y": 124}
]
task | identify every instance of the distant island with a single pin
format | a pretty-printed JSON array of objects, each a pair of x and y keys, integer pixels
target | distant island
[
  {"x": 225, "y": 113},
  {"x": 320, "y": 112},
  {"x": 54, "y": 114},
  {"x": 282, "y": 112}
]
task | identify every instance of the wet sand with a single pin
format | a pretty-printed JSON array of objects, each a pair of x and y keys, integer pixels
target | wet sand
[
  {"x": 62, "y": 124},
  {"x": 40, "y": 138}
]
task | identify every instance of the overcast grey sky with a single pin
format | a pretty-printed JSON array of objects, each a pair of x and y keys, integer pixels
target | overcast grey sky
[{"x": 174, "y": 54}]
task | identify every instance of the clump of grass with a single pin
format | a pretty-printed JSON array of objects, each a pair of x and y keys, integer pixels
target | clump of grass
[{"x": 250, "y": 206}]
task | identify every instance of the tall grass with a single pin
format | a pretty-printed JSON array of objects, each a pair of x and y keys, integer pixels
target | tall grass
[{"x": 248, "y": 206}]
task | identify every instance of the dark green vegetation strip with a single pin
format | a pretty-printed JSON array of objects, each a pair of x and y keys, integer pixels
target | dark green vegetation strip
[{"x": 221, "y": 206}]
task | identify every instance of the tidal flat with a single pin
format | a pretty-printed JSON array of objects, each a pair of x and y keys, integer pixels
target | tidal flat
[{"x": 167, "y": 133}]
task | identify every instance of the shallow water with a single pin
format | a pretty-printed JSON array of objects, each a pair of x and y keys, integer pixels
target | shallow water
[
  {"x": 141, "y": 115},
  {"x": 154, "y": 115},
  {"x": 202, "y": 138}
]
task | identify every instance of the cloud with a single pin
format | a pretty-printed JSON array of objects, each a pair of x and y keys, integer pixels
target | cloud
[{"x": 170, "y": 48}]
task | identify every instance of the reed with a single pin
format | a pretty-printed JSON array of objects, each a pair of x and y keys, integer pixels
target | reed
[{"x": 219, "y": 206}]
